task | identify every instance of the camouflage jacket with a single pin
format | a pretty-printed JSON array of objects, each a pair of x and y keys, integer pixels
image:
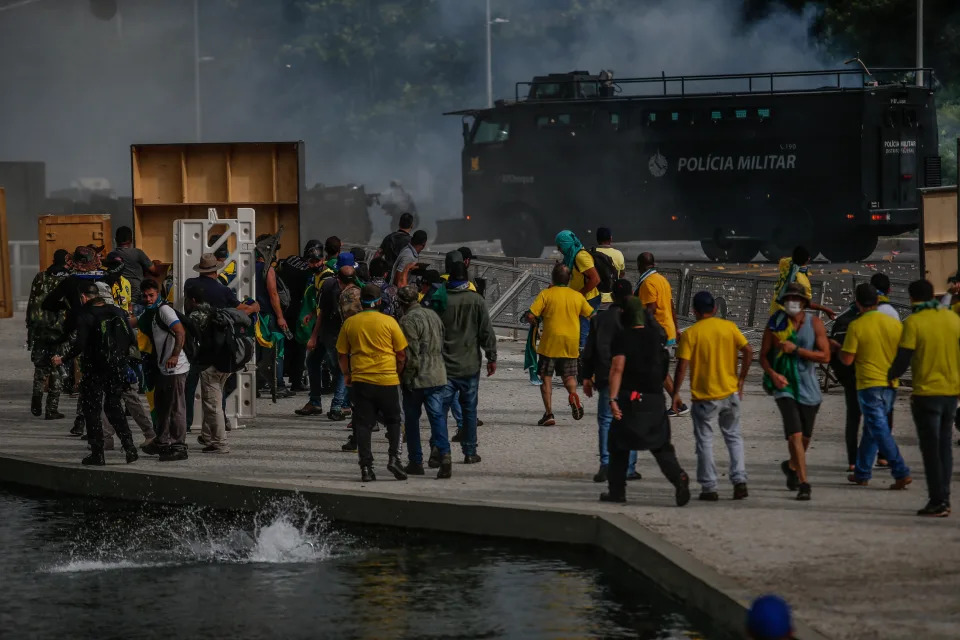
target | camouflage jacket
[
  {"x": 44, "y": 326},
  {"x": 423, "y": 330}
]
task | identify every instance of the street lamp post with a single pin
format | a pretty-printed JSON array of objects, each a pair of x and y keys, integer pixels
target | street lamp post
[
  {"x": 490, "y": 23},
  {"x": 196, "y": 67},
  {"x": 919, "y": 43}
]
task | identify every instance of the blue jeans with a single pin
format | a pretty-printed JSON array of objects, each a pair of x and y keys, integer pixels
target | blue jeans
[
  {"x": 585, "y": 322},
  {"x": 457, "y": 411},
  {"x": 709, "y": 415},
  {"x": 876, "y": 403},
  {"x": 413, "y": 401},
  {"x": 604, "y": 420},
  {"x": 326, "y": 352},
  {"x": 464, "y": 390}
]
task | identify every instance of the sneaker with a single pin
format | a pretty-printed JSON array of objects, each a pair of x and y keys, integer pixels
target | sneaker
[
  {"x": 151, "y": 448},
  {"x": 336, "y": 415},
  {"x": 740, "y": 491},
  {"x": 414, "y": 469},
  {"x": 804, "y": 491},
  {"x": 683, "y": 490},
  {"x": 684, "y": 411},
  {"x": 53, "y": 415},
  {"x": 36, "y": 405},
  {"x": 857, "y": 481},
  {"x": 634, "y": 475},
  {"x": 95, "y": 459},
  {"x": 575, "y": 407},
  {"x": 479, "y": 422},
  {"x": 211, "y": 448},
  {"x": 471, "y": 459},
  {"x": 131, "y": 453},
  {"x": 709, "y": 496},
  {"x": 792, "y": 480},
  {"x": 435, "y": 458},
  {"x": 446, "y": 468},
  {"x": 77, "y": 429},
  {"x": 310, "y": 409},
  {"x": 934, "y": 510},
  {"x": 458, "y": 436},
  {"x": 367, "y": 474},
  {"x": 350, "y": 444},
  {"x": 285, "y": 392},
  {"x": 901, "y": 484},
  {"x": 173, "y": 455},
  {"x": 609, "y": 497},
  {"x": 394, "y": 467},
  {"x": 547, "y": 420},
  {"x": 601, "y": 474}
]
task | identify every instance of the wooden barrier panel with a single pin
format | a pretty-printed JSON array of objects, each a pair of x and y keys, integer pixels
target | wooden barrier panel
[
  {"x": 939, "y": 257},
  {"x": 6, "y": 288},
  {"x": 71, "y": 231}
]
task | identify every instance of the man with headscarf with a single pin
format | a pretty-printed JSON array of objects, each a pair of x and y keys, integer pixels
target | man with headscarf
[
  {"x": 120, "y": 289},
  {"x": 604, "y": 327},
  {"x": 583, "y": 275},
  {"x": 559, "y": 310},
  {"x": 794, "y": 270},
  {"x": 423, "y": 379},
  {"x": 638, "y": 367},
  {"x": 711, "y": 349},
  {"x": 794, "y": 343},
  {"x": 372, "y": 353},
  {"x": 44, "y": 333}
]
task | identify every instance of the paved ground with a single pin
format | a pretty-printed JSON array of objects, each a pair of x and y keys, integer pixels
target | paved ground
[{"x": 855, "y": 561}]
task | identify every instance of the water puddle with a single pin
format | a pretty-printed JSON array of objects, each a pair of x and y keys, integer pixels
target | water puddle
[{"x": 285, "y": 531}]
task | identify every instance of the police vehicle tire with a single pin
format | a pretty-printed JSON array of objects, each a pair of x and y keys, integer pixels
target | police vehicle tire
[
  {"x": 853, "y": 247},
  {"x": 732, "y": 251}
]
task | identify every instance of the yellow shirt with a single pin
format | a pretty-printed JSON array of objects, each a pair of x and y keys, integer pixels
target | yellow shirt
[
  {"x": 583, "y": 262},
  {"x": 711, "y": 346},
  {"x": 873, "y": 338},
  {"x": 619, "y": 264},
  {"x": 656, "y": 289},
  {"x": 801, "y": 279},
  {"x": 560, "y": 308},
  {"x": 372, "y": 340},
  {"x": 446, "y": 278},
  {"x": 121, "y": 293},
  {"x": 934, "y": 337}
]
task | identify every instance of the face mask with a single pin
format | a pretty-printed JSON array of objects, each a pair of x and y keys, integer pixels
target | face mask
[
  {"x": 793, "y": 307},
  {"x": 154, "y": 305},
  {"x": 803, "y": 269}
]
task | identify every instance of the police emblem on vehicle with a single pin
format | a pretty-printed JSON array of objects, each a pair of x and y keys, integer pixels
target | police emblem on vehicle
[{"x": 658, "y": 165}]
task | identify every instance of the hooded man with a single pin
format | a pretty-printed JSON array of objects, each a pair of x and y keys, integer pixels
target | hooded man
[{"x": 584, "y": 277}]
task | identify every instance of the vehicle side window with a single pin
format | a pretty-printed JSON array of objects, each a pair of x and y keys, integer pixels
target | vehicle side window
[{"x": 491, "y": 132}]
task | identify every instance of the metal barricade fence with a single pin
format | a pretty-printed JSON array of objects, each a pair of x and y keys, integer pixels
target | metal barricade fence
[
  {"x": 24, "y": 266},
  {"x": 898, "y": 289}
]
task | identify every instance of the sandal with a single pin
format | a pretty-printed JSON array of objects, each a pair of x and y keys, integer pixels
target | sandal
[
  {"x": 546, "y": 421},
  {"x": 575, "y": 406}
]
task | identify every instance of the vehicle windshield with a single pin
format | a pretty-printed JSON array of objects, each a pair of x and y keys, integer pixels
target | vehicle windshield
[{"x": 489, "y": 131}]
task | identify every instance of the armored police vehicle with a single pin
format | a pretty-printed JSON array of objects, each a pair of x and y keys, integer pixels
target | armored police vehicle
[{"x": 742, "y": 163}]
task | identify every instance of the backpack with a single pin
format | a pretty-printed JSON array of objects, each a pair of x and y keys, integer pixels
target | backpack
[
  {"x": 605, "y": 269},
  {"x": 116, "y": 344},
  {"x": 348, "y": 303},
  {"x": 230, "y": 340},
  {"x": 283, "y": 293},
  {"x": 191, "y": 344}
]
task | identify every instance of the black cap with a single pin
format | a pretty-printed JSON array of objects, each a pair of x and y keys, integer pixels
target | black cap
[
  {"x": 466, "y": 253},
  {"x": 432, "y": 276},
  {"x": 703, "y": 302},
  {"x": 458, "y": 272},
  {"x": 622, "y": 288},
  {"x": 867, "y": 295}
]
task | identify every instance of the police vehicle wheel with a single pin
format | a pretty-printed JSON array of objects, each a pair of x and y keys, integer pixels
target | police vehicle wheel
[
  {"x": 853, "y": 247},
  {"x": 730, "y": 251}
]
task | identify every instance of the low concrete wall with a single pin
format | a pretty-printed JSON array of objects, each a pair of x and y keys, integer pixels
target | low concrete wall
[{"x": 678, "y": 573}]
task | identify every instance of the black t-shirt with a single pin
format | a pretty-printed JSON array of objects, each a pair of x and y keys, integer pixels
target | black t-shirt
[
  {"x": 330, "y": 323},
  {"x": 215, "y": 293},
  {"x": 646, "y": 365},
  {"x": 393, "y": 244}
]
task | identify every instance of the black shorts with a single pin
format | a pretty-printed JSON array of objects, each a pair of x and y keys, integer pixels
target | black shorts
[
  {"x": 797, "y": 418},
  {"x": 563, "y": 367}
]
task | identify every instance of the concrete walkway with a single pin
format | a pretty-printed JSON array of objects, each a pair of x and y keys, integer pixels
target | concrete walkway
[{"x": 855, "y": 561}]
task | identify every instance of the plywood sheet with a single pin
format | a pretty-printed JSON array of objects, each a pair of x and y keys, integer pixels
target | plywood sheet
[
  {"x": 205, "y": 169},
  {"x": 288, "y": 173},
  {"x": 251, "y": 173},
  {"x": 160, "y": 178},
  {"x": 939, "y": 237},
  {"x": 71, "y": 231},
  {"x": 6, "y": 287}
]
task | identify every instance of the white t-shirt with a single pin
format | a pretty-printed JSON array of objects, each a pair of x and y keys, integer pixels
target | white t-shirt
[
  {"x": 164, "y": 340},
  {"x": 887, "y": 309}
]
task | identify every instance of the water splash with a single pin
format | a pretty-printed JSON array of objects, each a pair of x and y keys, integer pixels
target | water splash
[{"x": 288, "y": 530}]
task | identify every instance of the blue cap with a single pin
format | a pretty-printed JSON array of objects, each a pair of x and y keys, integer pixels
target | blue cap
[
  {"x": 769, "y": 618},
  {"x": 346, "y": 259},
  {"x": 704, "y": 302}
]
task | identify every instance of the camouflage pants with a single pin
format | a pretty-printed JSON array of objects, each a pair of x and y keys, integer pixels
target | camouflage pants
[{"x": 45, "y": 372}]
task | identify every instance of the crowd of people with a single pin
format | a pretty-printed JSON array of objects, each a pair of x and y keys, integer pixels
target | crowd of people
[{"x": 390, "y": 338}]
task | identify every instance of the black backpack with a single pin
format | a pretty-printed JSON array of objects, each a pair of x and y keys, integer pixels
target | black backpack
[
  {"x": 230, "y": 340},
  {"x": 605, "y": 269},
  {"x": 283, "y": 292},
  {"x": 117, "y": 346},
  {"x": 191, "y": 344}
]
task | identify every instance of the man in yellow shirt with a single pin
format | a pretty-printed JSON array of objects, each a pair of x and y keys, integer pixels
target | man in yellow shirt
[
  {"x": 371, "y": 347},
  {"x": 930, "y": 346},
  {"x": 872, "y": 341},
  {"x": 560, "y": 309},
  {"x": 604, "y": 245},
  {"x": 583, "y": 275},
  {"x": 710, "y": 349}
]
